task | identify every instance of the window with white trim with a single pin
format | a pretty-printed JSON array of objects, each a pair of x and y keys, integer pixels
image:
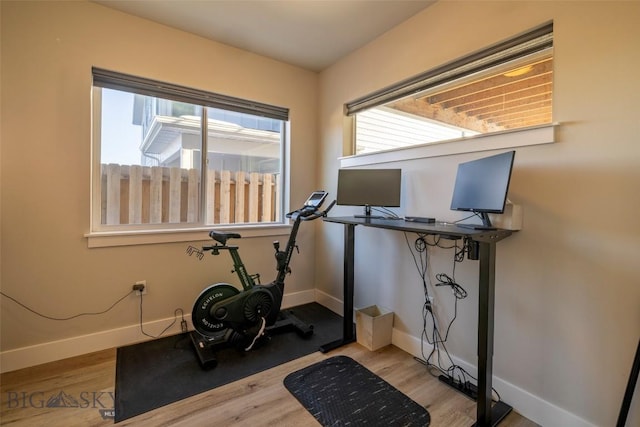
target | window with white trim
[
  {"x": 508, "y": 86},
  {"x": 149, "y": 171}
]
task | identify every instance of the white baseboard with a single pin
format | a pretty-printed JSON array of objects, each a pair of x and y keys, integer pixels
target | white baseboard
[
  {"x": 526, "y": 404},
  {"x": 298, "y": 298},
  {"x": 38, "y": 354},
  {"x": 326, "y": 300}
]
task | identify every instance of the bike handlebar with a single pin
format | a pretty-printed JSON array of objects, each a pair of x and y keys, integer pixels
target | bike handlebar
[
  {"x": 326, "y": 211},
  {"x": 308, "y": 213}
]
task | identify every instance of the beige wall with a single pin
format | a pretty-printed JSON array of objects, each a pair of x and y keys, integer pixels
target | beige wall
[
  {"x": 48, "y": 49},
  {"x": 567, "y": 292},
  {"x": 567, "y": 289}
]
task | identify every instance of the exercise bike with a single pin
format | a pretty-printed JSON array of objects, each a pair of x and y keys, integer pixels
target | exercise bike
[{"x": 224, "y": 316}]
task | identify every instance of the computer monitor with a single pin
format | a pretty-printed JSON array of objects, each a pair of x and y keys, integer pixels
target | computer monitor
[
  {"x": 482, "y": 185},
  {"x": 369, "y": 187}
]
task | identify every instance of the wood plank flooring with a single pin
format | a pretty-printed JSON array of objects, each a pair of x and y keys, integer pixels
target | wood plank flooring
[{"x": 259, "y": 400}]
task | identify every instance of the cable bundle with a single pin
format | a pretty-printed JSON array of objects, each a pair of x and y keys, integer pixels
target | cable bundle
[{"x": 442, "y": 365}]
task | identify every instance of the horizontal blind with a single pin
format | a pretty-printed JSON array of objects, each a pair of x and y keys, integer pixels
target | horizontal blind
[
  {"x": 533, "y": 41},
  {"x": 143, "y": 86}
]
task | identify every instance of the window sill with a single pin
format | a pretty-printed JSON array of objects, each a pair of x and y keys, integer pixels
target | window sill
[
  {"x": 510, "y": 139},
  {"x": 148, "y": 237}
]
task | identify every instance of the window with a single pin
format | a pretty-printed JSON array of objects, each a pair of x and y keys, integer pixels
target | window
[
  {"x": 506, "y": 87},
  {"x": 149, "y": 170}
]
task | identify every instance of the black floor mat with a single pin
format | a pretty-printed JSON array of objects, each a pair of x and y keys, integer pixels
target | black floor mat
[
  {"x": 340, "y": 392},
  {"x": 155, "y": 373}
]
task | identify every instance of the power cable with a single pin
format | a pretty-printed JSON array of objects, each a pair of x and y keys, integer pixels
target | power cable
[
  {"x": 65, "y": 318},
  {"x": 175, "y": 314},
  {"x": 175, "y": 318}
]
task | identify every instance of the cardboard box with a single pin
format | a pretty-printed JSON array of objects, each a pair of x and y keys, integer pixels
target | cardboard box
[{"x": 374, "y": 327}]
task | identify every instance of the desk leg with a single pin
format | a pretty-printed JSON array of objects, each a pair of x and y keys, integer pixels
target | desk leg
[
  {"x": 486, "y": 414},
  {"x": 348, "y": 335}
]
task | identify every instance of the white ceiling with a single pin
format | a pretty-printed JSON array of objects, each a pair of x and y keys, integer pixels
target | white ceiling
[{"x": 311, "y": 34}]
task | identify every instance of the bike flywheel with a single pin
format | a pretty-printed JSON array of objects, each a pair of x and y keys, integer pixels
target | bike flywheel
[{"x": 203, "y": 321}]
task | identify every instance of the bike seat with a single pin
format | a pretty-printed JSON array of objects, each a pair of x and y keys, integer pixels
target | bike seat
[{"x": 222, "y": 237}]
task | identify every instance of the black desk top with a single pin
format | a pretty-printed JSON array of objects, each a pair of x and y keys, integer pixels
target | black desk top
[{"x": 437, "y": 228}]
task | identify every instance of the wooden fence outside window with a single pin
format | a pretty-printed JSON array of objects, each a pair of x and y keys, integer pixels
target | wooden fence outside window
[{"x": 133, "y": 194}]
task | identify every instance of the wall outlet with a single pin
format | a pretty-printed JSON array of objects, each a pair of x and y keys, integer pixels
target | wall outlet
[
  {"x": 140, "y": 287},
  {"x": 430, "y": 302}
]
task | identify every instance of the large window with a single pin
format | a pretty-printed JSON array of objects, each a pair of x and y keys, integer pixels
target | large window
[
  {"x": 149, "y": 170},
  {"x": 505, "y": 87}
]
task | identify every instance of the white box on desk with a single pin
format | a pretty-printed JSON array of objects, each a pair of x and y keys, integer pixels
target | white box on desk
[{"x": 511, "y": 219}]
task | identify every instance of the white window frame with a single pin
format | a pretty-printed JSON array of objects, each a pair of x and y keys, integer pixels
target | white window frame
[
  {"x": 521, "y": 46},
  {"x": 102, "y": 235},
  {"x": 494, "y": 141}
]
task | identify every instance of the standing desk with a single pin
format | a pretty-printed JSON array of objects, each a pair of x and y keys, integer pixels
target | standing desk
[{"x": 485, "y": 243}]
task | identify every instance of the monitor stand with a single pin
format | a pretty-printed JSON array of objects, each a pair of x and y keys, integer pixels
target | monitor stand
[
  {"x": 367, "y": 214},
  {"x": 486, "y": 223}
]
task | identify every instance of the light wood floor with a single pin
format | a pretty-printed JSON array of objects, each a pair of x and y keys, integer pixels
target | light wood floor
[{"x": 259, "y": 400}]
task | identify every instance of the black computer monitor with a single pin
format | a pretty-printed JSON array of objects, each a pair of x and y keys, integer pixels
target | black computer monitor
[
  {"x": 369, "y": 187},
  {"x": 482, "y": 185}
]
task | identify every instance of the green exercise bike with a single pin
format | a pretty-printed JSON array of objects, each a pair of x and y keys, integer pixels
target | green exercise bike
[{"x": 224, "y": 316}]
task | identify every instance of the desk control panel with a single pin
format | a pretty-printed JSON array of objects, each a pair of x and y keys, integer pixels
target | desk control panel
[{"x": 477, "y": 227}]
